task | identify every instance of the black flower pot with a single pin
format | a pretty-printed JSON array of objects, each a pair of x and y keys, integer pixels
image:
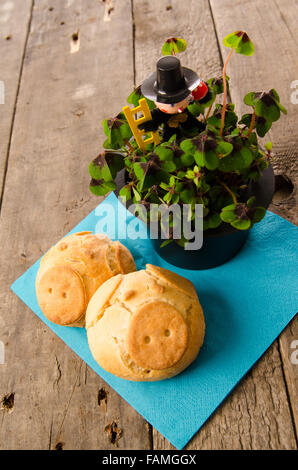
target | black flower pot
[{"x": 219, "y": 245}]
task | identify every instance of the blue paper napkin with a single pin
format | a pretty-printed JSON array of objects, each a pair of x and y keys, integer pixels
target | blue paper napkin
[{"x": 247, "y": 302}]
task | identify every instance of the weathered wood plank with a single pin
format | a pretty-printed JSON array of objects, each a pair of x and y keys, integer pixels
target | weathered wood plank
[
  {"x": 256, "y": 415},
  {"x": 14, "y": 23},
  {"x": 66, "y": 90},
  {"x": 273, "y": 28}
]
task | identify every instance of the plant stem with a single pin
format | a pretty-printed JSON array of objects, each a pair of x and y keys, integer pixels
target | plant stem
[
  {"x": 208, "y": 112},
  {"x": 230, "y": 192},
  {"x": 129, "y": 146},
  {"x": 252, "y": 123},
  {"x": 224, "y": 105}
]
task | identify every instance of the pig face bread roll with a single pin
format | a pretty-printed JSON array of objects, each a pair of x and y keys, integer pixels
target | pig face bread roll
[
  {"x": 146, "y": 325},
  {"x": 73, "y": 269}
]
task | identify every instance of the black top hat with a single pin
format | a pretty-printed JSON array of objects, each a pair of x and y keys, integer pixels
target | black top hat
[{"x": 170, "y": 83}]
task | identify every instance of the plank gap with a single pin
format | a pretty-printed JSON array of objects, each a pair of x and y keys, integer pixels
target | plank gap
[
  {"x": 216, "y": 35},
  {"x": 133, "y": 42},
  {"x": 15, "y": 103},
  {"x": 291, "y": 410}
]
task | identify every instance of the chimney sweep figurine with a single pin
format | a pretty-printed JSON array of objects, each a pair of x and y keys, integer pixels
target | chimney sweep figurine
[{"x": 172, "y": 88}]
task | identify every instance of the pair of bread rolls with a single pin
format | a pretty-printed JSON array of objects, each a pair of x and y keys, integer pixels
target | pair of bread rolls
[{"x": 143, "y": 326}]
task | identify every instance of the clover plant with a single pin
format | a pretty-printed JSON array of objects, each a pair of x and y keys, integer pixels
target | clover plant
[{"x": 213, "y": 167}]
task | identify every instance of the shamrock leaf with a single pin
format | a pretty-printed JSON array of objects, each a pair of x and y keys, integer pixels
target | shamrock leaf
[
  {"x": 242, "y": 216},
  {"x": 173, "y": 46},
  {"x": 125, "y": 192},
  {"x": 240, "y": 42},
  {"x": 101, "y": 187},
  {"x": 99, "y": 169},
  {"x": 164, "y": 153},
  {"x": 212, "y": 221},
  {"x": 135, "y": 97},
  {"x": 237, "y": 160},
  {"x": 117, "y": 130},
  {"x": 230, "y": 117}
]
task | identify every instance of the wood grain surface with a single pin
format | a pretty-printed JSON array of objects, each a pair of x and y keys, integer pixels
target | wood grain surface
[
  {"x": 62, "y": 100},
  {"x": 274, "y": 28},
  {"x": 14, "y": 29},
  {"x": 68, "y": 65}
]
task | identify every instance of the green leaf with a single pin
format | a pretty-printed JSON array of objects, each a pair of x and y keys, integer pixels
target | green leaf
[
  {"x": 125, "y": 193},
  {"x": 224, "y": 148},
  {"x": 216, "y": 84},
  {"x": 115, "y": 162},
  {"x": 188, "y": 146},
  {"x": 228, "y": 216},
  {"x": 269, "y": 112},
  {"x": 199, "y": 158},
  {"x": 240, "y": 42},
  {"x": 241, "y": 224},
  {"x": 164, "y": 153},
  {"x": 214, "y": 220},
  {"x": 259, "y": 214},
  {"x": 186, "y": 195},
  {"x": 211, "y": 160},
  {"x": 263, "y": 125},
  {"x": 168, "y": 166},
  {"x": 139, "y": 170},
  {"x": 117, "y": 130},
  {"x": 99, "y": 169},
  {"x": 100, "y": 187},
  {"x": 135, "y": 97},
  {"x": 187, "y": 159},
  {"x": 237, "y": 160},
  {"x": 230, "y": 207},
  {"x": 251, "y": 201},
  {"x": 268, "y": 146},
  {"x": 196, "y": 108},
  {"x": 266, "y": 106},
  {"x": 173, "y": 45},
  {"x": 164, "y": 186},
  {"x": 230, "y": 117},
  {"x": 167, "y": 197},
  {"x": 136, "y": 195},
  {"x": 175, "y": 199},
  {"x": 249, "y": 99}
]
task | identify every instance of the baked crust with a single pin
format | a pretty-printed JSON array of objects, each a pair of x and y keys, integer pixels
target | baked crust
[
  {"x": 146, "y": 325},
  {"x": 61, "y": 295},
  {"x": 87, "y": 260},
  {"x": 157, "y": 336}
]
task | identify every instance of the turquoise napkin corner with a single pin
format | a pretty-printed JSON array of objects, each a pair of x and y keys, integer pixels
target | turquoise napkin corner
[{"x": 247, "y": 302}]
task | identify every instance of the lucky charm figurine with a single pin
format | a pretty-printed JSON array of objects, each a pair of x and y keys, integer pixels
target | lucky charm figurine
[{"x": 172, "y": 88}]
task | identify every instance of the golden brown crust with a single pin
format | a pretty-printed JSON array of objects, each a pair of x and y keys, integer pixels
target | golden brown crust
[
  {"x": 61, "y": 295},
  {"x": 141, "y": 304},
  {"x": 94, "y": 258},
  {"x": 101, "y": 298},
  {"x": 172, "y": 278},
  {"x": 157, "y": 336},
  {"x": 124, "y": 258}
]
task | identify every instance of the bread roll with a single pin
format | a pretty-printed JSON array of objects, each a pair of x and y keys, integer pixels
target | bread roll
[
  {"x": 73, "y": 269},
  {"x": 146, "y": 325}
]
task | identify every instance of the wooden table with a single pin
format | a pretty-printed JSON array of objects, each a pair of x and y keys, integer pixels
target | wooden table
[{"x": 67, "y": 64}]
